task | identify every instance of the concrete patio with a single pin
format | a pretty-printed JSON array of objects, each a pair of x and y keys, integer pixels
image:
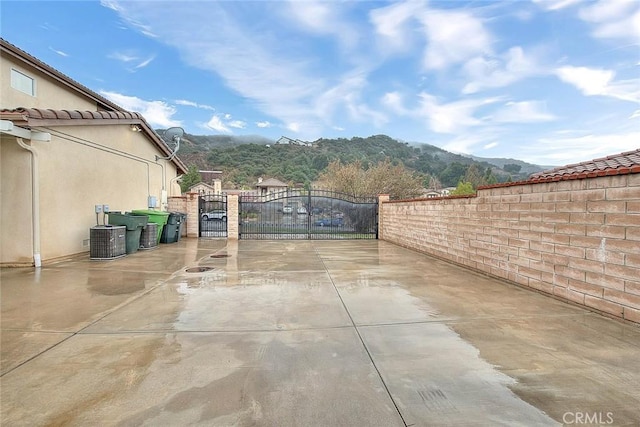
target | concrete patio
[{"x": 303, "y": 333}]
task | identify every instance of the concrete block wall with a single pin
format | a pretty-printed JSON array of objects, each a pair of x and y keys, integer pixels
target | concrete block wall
[
  {"x": 578, "y": 240},
  {"x": 187, "y": 203}
]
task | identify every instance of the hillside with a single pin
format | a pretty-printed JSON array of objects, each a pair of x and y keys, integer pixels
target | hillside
[{"x": 244, "y": 159}]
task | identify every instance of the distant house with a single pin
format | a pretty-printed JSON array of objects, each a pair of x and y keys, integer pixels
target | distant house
[
  {"x": 213, "y": 178},
  {"x": 270, "y": 186},
  {"x": 63, "y": 150},
  {"x": 284, "y": 140},
  {"x": 204, "y": 188}
]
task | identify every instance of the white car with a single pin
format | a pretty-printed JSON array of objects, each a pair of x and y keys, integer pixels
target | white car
[
  {"x": 219, "y": 215},
  {"x": 302, "y": 210},
  {"x": 287, "y": 210}
]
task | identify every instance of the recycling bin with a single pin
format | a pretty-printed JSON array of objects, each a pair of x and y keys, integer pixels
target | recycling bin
[
  {"x": 157, "y": 217},
  {"x": 134, "y": 225},
  {"x": 173, "y": 229}
]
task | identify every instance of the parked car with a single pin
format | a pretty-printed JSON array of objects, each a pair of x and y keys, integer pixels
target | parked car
[
  {"x": 217, "y": 214},
  {"x": 287, "y": 210},
  {"x": 302, "y": 210},
  {"x": 329, "y": 222}
]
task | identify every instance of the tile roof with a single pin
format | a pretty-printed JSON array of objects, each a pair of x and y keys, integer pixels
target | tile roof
[
  {"x": 271, "y": 182},
  {"x": 39, "y": 117},
  {"x": 618, "y": 164},
  {"x": 9, "y": 49},
  {"x": 48, "y": 114}
]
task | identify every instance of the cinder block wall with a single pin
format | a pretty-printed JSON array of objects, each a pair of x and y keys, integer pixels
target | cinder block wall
[
  {"x": 187, "y": 204},
  {"x": 578, "y": 240}
]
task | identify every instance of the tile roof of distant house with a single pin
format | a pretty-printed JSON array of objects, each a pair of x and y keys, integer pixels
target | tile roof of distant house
[
  {"x": 12, "y": 50},
  {"x": 618, "y": 164},
  {"x": 271, "y": 182},
  {"x": 38, "y": 117}
]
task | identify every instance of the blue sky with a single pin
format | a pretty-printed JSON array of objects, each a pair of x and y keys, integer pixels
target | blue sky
[{"x": 547, "y": 81}]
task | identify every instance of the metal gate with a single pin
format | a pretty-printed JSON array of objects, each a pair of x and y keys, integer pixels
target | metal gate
[
  {"x": 308, "y": 214},
  {"x": 212, "y": 209}
]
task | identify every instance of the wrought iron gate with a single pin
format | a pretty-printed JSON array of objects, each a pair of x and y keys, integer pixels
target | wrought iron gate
[
  {"x": 212, "y": 209},
  {"x": 308, "y": 214}
]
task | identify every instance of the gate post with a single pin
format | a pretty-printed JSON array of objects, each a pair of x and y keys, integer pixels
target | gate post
[
  {"x": 381, "y": 199},
  {"x": 233, "y": 216},
  {"x": 193, "y": 214}
]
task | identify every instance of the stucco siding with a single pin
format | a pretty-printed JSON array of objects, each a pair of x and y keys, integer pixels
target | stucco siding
[
  {"x": 81, "y": 167},
  {"x": 48, "y": 94},
  {"x": 15, "y": 203}
]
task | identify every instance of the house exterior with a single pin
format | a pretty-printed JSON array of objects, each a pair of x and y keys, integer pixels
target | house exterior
[
  {"x": 204, "y": 188},
  {"x": 266, "y": 188},
  {"x": 284, "y": 140},
  {"x": 213, "y": 179},
  {"x": 63, "y": 150}
]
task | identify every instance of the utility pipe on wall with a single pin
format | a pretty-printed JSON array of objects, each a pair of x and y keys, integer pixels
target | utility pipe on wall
[{"x": 35, "y": 201}]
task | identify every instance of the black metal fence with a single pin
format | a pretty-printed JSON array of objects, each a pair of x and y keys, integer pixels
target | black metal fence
[
  {"x": 307, "y": 214},
  {"x": 212, "y": 209}
]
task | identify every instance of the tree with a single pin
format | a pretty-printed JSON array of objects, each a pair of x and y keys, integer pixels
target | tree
[
  {"x": 463, "y": 189},
  {"x": 474, "y": 176},
  {"x": 189, "y": 179},
  {"x": 383, "y": 178},
  {"x": 512, "y": 168}
]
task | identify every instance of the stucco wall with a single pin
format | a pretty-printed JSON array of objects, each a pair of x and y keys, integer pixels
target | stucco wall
[
  {"x": 82, "y": 166},
  {"x": 578, "y": 240},
  {"x": 48, "y": 94}
]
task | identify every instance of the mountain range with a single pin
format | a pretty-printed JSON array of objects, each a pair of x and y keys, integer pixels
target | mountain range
[{"x": 245, "y": 158}]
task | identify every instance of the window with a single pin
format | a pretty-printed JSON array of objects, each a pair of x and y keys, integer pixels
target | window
[{"x": 23, "y": 83}]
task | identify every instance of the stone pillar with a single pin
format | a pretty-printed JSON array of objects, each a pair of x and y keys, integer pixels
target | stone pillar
[
  {"x": 193, "y": 214},
  {"x": 381, "y": 199},
  {"x": 233, "y": 215}
]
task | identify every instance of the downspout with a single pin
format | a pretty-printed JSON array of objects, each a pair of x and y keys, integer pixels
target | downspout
[{"x": 35, "y": 201}]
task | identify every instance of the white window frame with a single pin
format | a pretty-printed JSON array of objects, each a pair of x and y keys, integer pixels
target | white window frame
[{"x": 20, "y": 81}]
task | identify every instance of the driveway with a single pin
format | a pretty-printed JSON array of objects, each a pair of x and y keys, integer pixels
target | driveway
[{"x": 303, "y": 333}]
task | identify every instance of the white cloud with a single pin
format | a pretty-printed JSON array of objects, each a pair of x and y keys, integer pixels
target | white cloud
[
  {"x": 238, "y": 124},
  {"x": 157, "y": 113},
  {"x": 569, "y": 150},
  {"x": 123, "y": 56},
  {"x": 614, "y": 19},
  {"x": 293, "y": 127},
  {"x": 216, "y": 124},
  {"x": 523, "y": 112},
  {"x": 194, "y": 104},
  {"x": 59, "y": 52},
  {"x": 145, "y": 62},
  {"x": 511, "y": 67},
  {"x": 452, "y": 117},
  {"x": 391, "y": 24},
  {"x": 264, "y": 124},
  {"x": 117, "y": 6},
  {"x": 129, "y": 56},
  {"x": 490, "y": 145},
  {"x": 592, "y": 81},
  {"x": 556, "y": 4},
  {"x": 321, "y": 17},
  {"x": 454, "y": 36}
]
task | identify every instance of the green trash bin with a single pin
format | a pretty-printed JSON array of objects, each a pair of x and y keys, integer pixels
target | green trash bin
[
  {"x": 157, "y": 217},
  {"x": 134, "y": 225}
]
